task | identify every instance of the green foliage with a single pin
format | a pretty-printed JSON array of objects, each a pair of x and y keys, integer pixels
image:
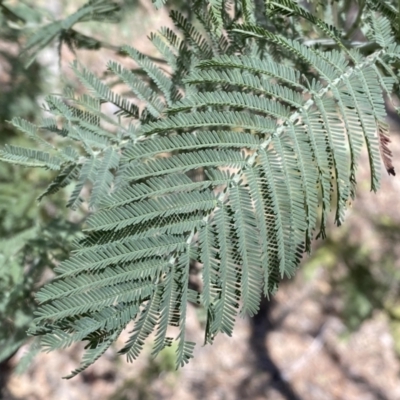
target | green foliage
[
  {"x": 19, "y": 215},
  {"x": 363, "y": 279},
  {"x": 23, "y": 259},
  {"x": 93, "y": 10},
  {"x": 274, "y": 128}
]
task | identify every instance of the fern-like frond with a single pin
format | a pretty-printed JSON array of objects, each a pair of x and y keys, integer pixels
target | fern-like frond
[
  {"x": 31, "y": 131},
  {"x": 184, "y": 351},
  {"x": 196, "y": 40},
  {"x": 211, "y": 119},
  {"x": 208, "y": 258},
  {"x": 388, "y": 10},
  {"x": 104, "y": 93},
  {"x": 168, "y": 310},
  {"x": 222, "y": 312},
  {"x": 324, "y": 63},
  {"x": 109, "y": 319},
  {"x": 167, "y": 52},
  {"x": 162, "y": 81},
  {"x": 69, "y": 174},
  {"x": 216, "y": 14},
  {"x": 85, "y": 173},
  {"x": 380, "y": 31},
  {"x": 183, "y": 162},
  {"x": 282, "y": 73},
  {"x": 248, "y": 248},
  {"x": 247, "y": 82},
  {"x": 81, "y": 126},
  {"x": 128, "y": 250},
  {"x": 188, "y": 141},
  {"x": 158, "y": 186},
  {"x": 153, "y": 209},
  {"x": 106, "y": 278},
  {"x": 104, "y": 176},
  {"x": 239, "y": 100},
  {"x": 93, "y": 354},
  {"x": 275, "y": 149},
  {"x": 139, "y": 88},
  {"x": 29, "y": 157},
  {"x": 144, "y": 326},
  {"x": 289, "y": 8}
]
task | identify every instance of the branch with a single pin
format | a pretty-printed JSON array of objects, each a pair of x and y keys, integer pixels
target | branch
[
  {"x": 84, "y": 41},
  {"x": 355, "y": 24},
  {"x": 329, "y": 43}
]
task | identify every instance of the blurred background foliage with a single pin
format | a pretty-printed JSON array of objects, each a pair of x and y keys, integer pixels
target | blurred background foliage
[
  {"x": 358, "y": 275},
  {"x": 33, "y": 237},
  {"x": 363, "y": 277}
]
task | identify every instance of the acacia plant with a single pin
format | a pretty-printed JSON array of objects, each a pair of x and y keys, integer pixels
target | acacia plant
[{"x": 228, "y": 155}]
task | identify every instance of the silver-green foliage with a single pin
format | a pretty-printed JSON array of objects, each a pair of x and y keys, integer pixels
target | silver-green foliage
[
  {"x": 62, "y": 30},
  {"x": 276, "y": 148}
]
